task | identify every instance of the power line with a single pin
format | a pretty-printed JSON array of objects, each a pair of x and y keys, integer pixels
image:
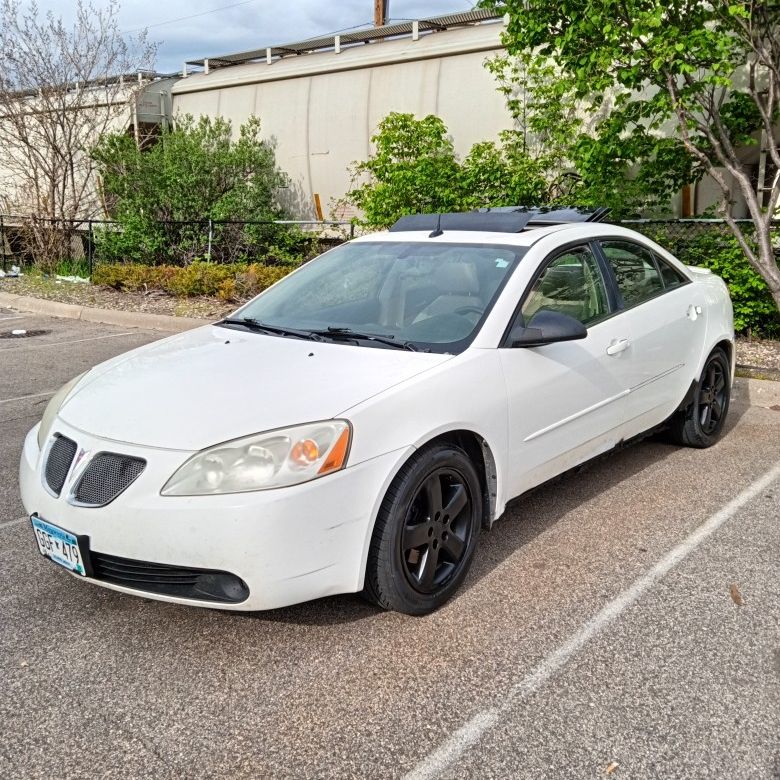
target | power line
[
  {"x": 247, "y": 2},
  {"x": 336, "y": 32},
  {"x": 469, "y": 3},
  {"x": 190, "y": 16}
]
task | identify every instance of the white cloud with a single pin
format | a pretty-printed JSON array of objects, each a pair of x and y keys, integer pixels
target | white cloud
[{"x": 254, "y": 25}]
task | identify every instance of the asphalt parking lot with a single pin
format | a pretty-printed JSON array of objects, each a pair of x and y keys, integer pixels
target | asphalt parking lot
[{"x": 599, "y": 633}]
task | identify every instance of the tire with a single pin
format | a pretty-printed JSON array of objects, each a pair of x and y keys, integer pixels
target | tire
[
  {"x": 424, "y": 539},
  {"x": 701, "y": 423}
]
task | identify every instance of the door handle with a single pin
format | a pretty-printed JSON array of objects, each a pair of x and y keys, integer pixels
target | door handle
[{"x": 617, "y": 346}]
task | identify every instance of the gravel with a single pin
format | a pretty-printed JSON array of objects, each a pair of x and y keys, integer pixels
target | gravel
[{"x": 760, "y": 353}]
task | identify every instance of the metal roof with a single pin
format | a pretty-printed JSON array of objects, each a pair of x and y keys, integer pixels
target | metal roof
[{"x": 326, "y": 42}]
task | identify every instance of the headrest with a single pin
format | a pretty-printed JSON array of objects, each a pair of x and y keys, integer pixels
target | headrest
[{"x": 457, "y": 279}]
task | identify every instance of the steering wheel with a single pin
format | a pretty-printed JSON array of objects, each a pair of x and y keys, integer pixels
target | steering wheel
[{"x": 469, "y": 310}]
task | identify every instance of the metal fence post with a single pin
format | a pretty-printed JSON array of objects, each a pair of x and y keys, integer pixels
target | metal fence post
[
  {"x": 2, "y": 241},
  {"x": 211, "y": 233},
  {"x": 90, "y": 249}
]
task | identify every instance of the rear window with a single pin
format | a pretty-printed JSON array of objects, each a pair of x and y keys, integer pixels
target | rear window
[
  {"x": 636, "y": 272},
  {"x": 671, "y": 276}
]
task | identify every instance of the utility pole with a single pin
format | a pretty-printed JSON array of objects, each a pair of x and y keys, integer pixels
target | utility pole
[{"x": 380, "y": 12}]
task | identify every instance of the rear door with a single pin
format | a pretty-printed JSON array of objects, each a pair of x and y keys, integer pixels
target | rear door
[
  {"x": 566, "y": 400},
  {"x": 664, "y": 317}
]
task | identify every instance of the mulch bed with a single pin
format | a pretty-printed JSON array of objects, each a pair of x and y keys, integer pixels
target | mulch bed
[{"x": 82, "y": 294}]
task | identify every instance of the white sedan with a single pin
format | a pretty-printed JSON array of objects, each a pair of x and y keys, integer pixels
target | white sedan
[{"x": 354, "y": 427}]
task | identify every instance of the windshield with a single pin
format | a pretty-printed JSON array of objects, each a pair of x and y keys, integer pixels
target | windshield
[{"x": 423, "y": 295}]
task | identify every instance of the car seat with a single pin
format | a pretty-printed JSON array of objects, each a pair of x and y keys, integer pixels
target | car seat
[{"x": 457, "y": 284}]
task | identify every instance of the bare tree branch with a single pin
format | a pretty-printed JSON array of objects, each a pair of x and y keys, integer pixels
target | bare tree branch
[{"x": 59, "y": 91}]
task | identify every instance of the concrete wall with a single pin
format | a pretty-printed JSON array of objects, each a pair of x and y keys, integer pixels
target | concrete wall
[{"x": 321, "y": 109}]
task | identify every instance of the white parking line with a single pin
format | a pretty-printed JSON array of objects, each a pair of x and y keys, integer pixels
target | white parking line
[
  {"x": 74, "y": 341},
  {"x": 24, "y": 397},
  {"x": 20, "y": 317},
  {"x": 9, "y": 523},
  {"x": 470, "y": 733}
]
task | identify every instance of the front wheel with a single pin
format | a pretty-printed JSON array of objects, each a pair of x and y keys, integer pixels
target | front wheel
[
  {"x": 701, "y": 423},
  {"x": 426, "y": 532}
]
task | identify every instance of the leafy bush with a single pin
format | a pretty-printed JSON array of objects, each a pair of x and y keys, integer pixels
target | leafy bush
[
  {"x": 230, "y": 282},
  {"x": 164, "y": 194},
  {"x": 415, "y": 169},
  {"x": 713, "y": 246}
]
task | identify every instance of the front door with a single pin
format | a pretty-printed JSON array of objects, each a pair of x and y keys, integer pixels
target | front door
[{"x": 566, "y": 400}]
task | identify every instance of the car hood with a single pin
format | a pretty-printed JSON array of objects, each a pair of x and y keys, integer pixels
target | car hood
[{"x": 214, "y": 384}]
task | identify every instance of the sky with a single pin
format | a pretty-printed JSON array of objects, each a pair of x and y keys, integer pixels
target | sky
[{"x": 193, "y": 29}]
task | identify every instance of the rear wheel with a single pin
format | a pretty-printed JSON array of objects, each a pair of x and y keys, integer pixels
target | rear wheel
[
  {"x": 701, "y": 423},
  {"x": 425, "y": 533}
]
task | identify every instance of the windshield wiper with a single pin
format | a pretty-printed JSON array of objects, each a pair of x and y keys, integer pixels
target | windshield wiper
[
  {"x": 332, "y": 333},
  {"x": 346, "y": 334},
  {"x": 261, "y": 327}
]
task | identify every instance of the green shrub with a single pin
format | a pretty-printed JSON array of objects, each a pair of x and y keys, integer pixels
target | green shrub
[
  {"x": 164, "y": 194},
  {"x": 414, "y": 169},
  {"x": 233, "y": 282},
  {"x": 713, "y": 246}
]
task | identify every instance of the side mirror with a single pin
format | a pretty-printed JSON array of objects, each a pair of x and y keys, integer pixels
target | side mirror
[{"x": 547, "y": 327}]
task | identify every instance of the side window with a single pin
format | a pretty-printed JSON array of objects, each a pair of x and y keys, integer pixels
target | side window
[
  {"x": 572, "y": 283},
  {"x": 671, "y": 276},
  {"x": 635, "y": 270}
]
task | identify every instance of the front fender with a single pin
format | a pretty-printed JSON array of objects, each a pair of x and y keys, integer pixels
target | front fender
[{"x": 408, "y": 416}]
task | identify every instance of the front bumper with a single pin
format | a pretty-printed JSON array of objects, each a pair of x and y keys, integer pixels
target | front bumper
[{"x": 288, "y": 544}]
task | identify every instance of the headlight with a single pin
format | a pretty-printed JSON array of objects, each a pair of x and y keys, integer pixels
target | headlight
[
  {"x": 52, "y": 408},
  {"x": 266, "y": 460}
]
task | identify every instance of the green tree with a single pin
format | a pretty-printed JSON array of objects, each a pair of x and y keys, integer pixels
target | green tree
[
  {"x": 708, "y": 71},
  {"x": 501, "y": 175},
  {"x": 581, "y": 143},
  {"x": 414, "y": 169},
  {"x": 194, "y": 172}
]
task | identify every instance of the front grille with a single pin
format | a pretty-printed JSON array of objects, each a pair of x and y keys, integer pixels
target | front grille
[
  {"x": 61, "y": 455},
  {"x": 106, "y": 476},
  {"x": 181, "y": 581}
]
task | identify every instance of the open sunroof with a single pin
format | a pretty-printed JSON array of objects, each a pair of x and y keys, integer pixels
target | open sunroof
[
  {"x": 556, "y": 215},
  {"x": 491, "y": 221},
  {"x": 506, "y": 219}
]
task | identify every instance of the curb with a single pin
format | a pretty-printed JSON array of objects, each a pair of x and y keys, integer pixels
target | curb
[
  {"x": 125, "y": 319},
  {"x": 756, "y": 372},
  {"x": 758, "y": 392}
]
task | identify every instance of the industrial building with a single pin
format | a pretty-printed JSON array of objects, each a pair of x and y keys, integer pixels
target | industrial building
[{"x": 321, "y": 100}]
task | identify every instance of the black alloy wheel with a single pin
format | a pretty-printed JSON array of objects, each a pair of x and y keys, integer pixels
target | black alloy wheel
[
  {"x": 712, "y": 397},
  {"x": 436, "y": 530},
  {"x": 701, "y": 422},
  {"x": 426, "y": 532}
]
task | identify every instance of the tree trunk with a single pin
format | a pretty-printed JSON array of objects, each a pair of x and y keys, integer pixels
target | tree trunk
[{"x": 771, "y": 275}]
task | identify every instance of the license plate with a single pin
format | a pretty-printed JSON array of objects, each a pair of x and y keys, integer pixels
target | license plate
[{"x": 59, "y": 545}]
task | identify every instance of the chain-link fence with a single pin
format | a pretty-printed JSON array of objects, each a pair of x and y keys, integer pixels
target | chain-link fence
[
  {"x": 82, "y": 244},
  {"x": 693, "y": 240},
  {"x": 78, "y": 245},
  {"x": 712, "y": 244}
]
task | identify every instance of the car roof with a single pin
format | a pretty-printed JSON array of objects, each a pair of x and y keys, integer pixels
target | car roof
[{"x": 529, "y": 236}]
